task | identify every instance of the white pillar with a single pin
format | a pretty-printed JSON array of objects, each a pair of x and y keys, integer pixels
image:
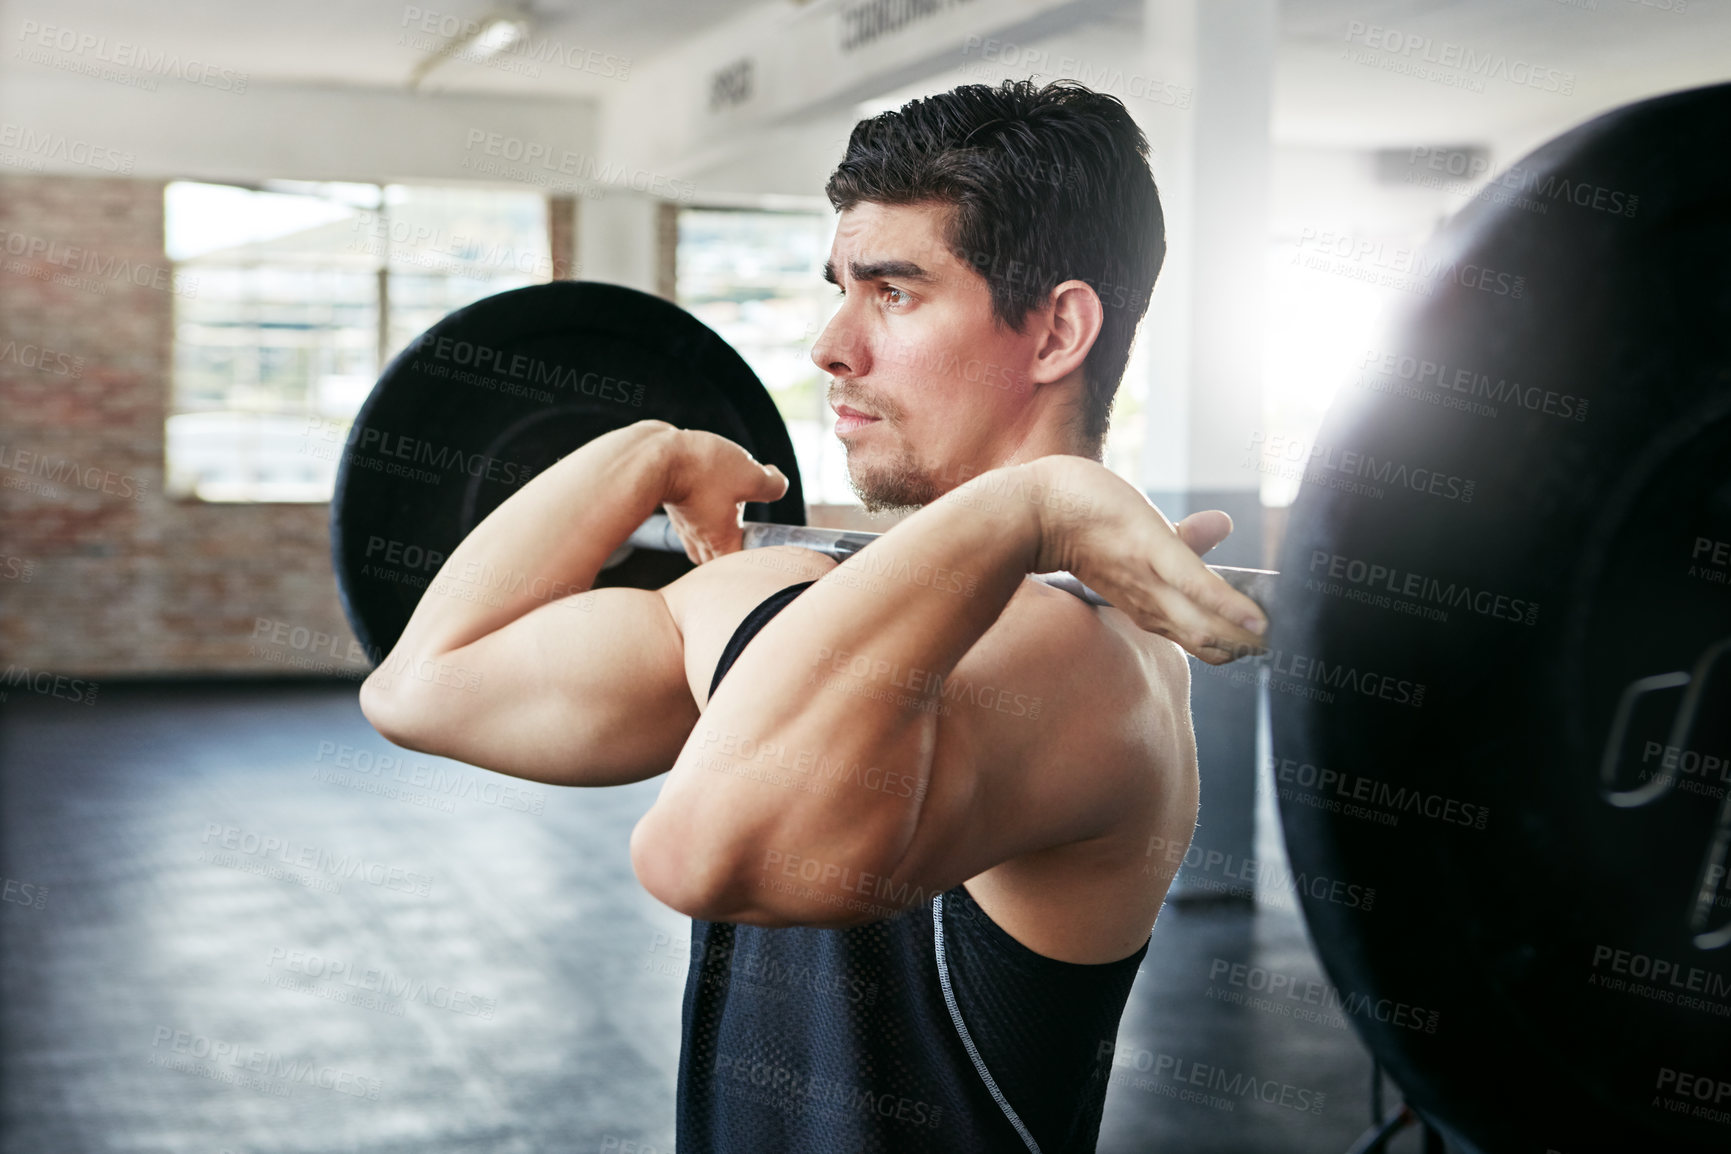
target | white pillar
[
  {"x": 1163, "y": 343},
  {"x": 1235, "y": 87},
  {"x": 1203, "y": 347},
  {"x": 1203, "y": 335},
  {"x": 616, "y": 239}
]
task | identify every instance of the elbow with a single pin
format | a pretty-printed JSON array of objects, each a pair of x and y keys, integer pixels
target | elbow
[
  {"x": 680, "y": 874},
  {"x": 393, "y": 713},
  {"x": 750, "y": 884}
]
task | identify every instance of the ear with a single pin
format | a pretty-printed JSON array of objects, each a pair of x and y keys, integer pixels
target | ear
[{"x": 1072, "y": 324}]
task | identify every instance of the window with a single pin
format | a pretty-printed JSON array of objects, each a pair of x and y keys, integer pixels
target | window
[
  {"x": 756, "y": 278},
  {"x": 297, "y": 295}
]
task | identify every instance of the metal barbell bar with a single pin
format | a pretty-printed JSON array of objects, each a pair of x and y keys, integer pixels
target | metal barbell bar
[{"x": 657, "y": 533}]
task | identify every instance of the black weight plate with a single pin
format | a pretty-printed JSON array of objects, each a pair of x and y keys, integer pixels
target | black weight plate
[
  {"x": 497, "y": 392},
  {"x": 1518, "y": 554}
]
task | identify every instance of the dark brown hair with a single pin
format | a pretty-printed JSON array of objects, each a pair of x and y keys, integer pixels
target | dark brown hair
[{"x": 1046, "y": 184}]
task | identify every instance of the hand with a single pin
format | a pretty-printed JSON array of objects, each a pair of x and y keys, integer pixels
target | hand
[
  {"x": 1111, "y": 538},
  {"x": 709, "y": 479}
]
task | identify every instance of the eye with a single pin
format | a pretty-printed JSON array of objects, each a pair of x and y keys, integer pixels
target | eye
[{"x": 902, "y": 297}]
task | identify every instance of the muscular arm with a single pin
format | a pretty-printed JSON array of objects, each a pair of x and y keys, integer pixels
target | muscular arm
[
  {"x": 552, "y": 681},
  {"x": 931, "y": 612}
]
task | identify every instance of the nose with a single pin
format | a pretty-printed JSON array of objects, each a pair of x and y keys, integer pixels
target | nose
[{"x": 840, "y": 349}]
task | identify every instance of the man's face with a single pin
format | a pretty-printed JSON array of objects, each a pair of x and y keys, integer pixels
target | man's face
[{"x": 929, "y": 389}]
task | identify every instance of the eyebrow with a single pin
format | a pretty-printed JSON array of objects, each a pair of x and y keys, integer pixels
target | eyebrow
[{"x": 878, "y": 270}]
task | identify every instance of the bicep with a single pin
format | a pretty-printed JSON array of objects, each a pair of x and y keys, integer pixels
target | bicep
[{"x": 587, "y": 690}]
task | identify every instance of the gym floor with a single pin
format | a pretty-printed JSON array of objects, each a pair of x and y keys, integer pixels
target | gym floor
[{"x": 244, "y": 932}]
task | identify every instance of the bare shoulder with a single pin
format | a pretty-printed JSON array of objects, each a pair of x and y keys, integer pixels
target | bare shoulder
[
  {"x": 708, "y": 603},
  {"x": 1066, "y": 722},
  {"x": 1116, "y": 692},
  {"x": 1121, "y": 732}
]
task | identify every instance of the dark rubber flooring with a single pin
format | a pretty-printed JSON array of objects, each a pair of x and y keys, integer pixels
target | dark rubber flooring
[{"x": 228, "y": 926}]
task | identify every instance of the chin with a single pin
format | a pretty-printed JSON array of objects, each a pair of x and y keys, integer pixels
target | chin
[{"x": 893, "y": 486}]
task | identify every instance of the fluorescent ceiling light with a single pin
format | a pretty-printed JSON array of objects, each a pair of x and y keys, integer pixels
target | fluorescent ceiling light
[
  {"x": 483, "y": 40},
  {"x": 498, "y": 36}
]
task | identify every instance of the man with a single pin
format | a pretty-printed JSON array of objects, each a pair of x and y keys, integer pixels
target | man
[{"x": 908, "y": 797}]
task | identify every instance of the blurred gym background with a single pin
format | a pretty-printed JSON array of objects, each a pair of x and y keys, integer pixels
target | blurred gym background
[{"x": 219, "y": 221}]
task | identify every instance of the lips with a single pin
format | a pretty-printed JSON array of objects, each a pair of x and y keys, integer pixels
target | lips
[{"x": 849, "y": 419}]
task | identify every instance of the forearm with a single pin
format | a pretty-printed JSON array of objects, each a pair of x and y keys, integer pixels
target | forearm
[
  {"x": 846, "y": 685},
  {"x": 547, "y": 541}
]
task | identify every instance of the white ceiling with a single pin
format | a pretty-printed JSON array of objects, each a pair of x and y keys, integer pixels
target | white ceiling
[
  {"x": 1616, "y": 50},
  {"x": 360, "y": 42}
]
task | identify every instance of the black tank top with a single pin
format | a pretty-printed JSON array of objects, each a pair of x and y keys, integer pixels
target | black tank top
[{"x": 821, "y": 1041}]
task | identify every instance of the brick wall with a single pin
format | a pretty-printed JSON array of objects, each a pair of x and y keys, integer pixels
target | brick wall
[
  {"x": 562, "y": 236},
  {"x": 99, "y": 572}
]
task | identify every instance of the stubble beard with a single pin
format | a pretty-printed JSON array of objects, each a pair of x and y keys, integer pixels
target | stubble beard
[{"x": 898, "y": 485}]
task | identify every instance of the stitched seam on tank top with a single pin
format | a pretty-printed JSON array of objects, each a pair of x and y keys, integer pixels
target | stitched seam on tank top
[{"x": 962, "y": 1028}]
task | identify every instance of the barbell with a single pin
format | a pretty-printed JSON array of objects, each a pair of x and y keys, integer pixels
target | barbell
[
  {"x": 658, "y": 533},
  {"x": 1501, "y": 705},
  {"x": 1510, "y": 716},
  {"x": 496, "y": 392}
]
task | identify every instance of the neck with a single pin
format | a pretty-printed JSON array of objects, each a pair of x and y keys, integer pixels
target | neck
[{"x": 1051, "y": 426}]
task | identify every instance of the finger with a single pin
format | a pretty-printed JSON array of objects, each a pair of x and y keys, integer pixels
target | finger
[
  {"x": 1197, "y": 644},
  {"x": 1223, "y": 652},
  {"x": 731, "y": 536},
  {"x": 687, "y": 535},
  {"x": 1165, "y": 609},
  {"x": 1202, "y": 531},
  {"x": 772, "y": 486},
  {"x": 1178, "y": 566},
  {"x": 1202, "y": 633}
]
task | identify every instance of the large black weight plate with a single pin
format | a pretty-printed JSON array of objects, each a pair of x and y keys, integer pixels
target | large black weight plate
[
  {"x": 497, "y": 392},
  {"x": 1539, "y": 967}
]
